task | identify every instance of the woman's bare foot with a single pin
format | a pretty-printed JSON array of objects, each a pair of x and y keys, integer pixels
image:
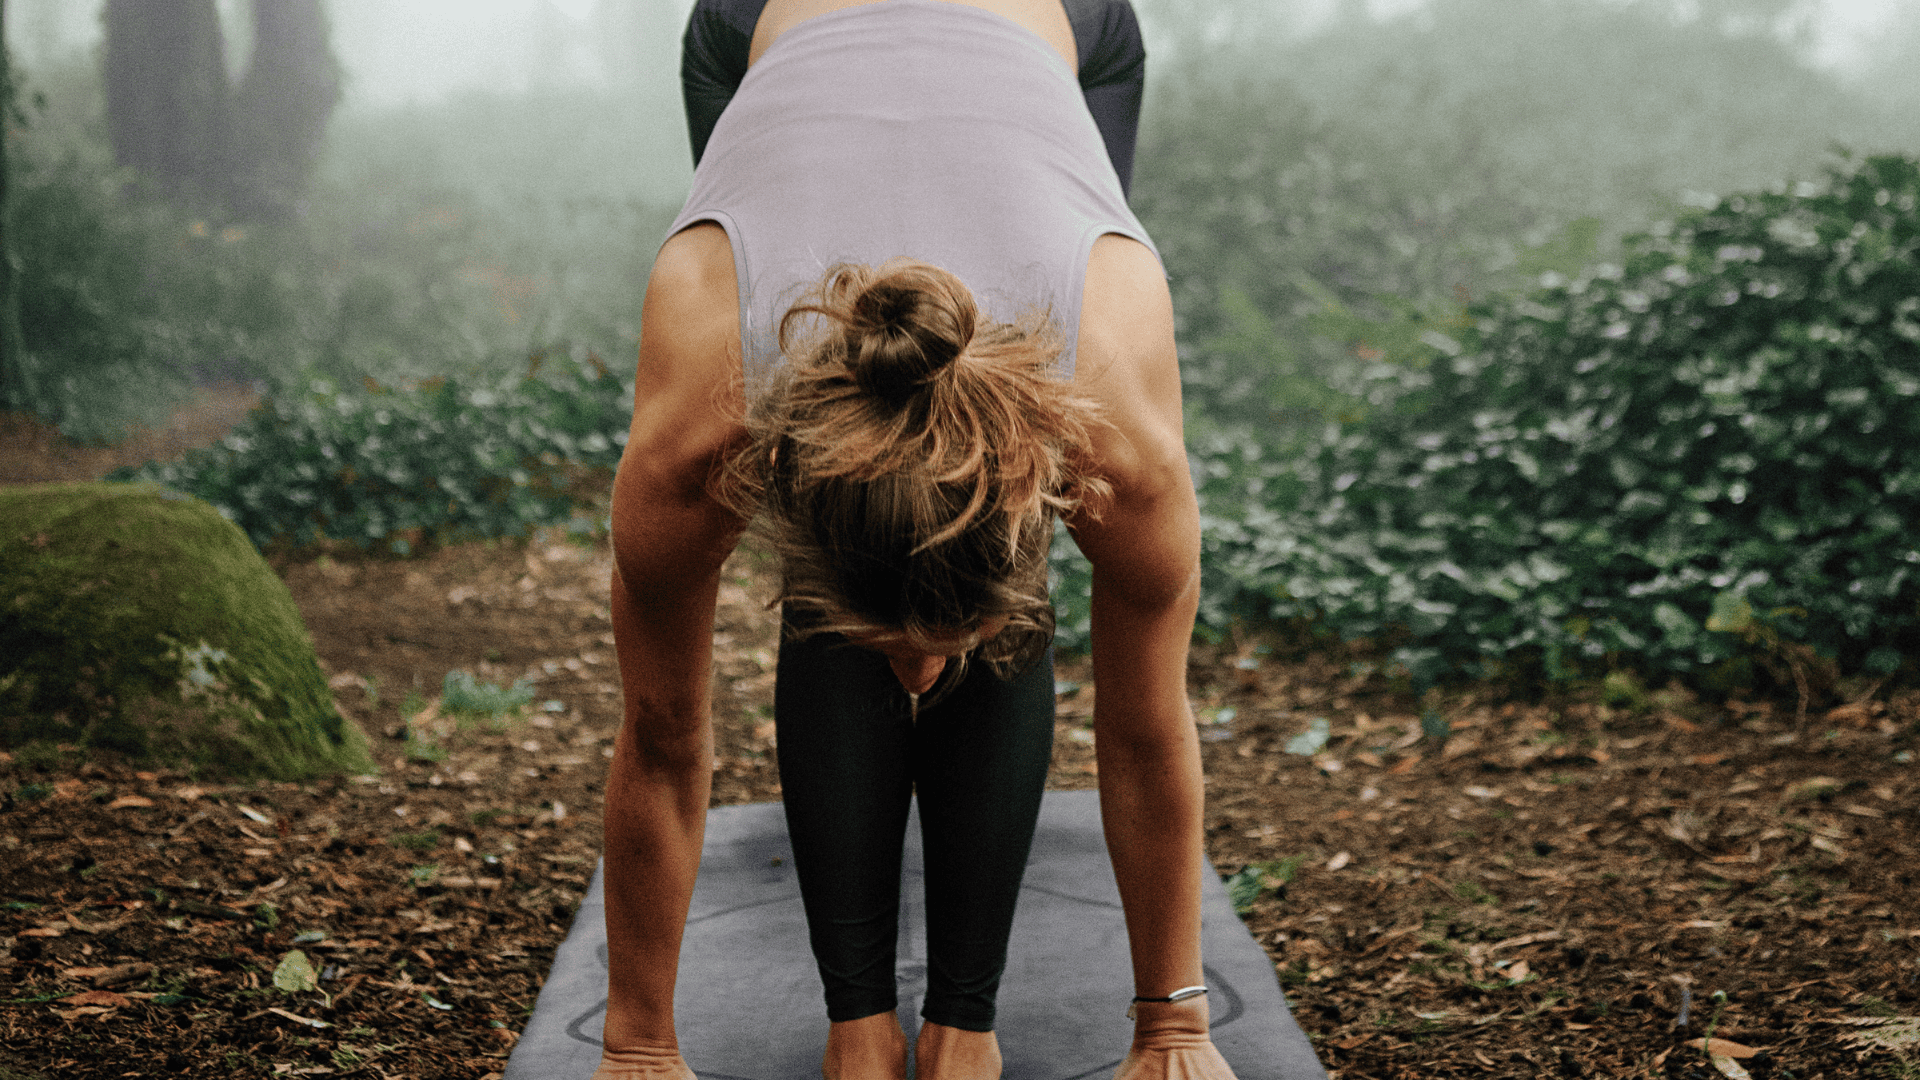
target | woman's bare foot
[
  {"x": 870, "y": 1048},
  {"x": 945, "y": 1053}
]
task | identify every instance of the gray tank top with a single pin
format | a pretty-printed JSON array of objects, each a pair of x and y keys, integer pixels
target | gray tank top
[{"x": 918, "y": 128}]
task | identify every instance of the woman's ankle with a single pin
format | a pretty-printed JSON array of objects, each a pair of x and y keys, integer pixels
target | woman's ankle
[
  {"x": 870, "y": 1048},
  {"x": 949, "y": 1053}
]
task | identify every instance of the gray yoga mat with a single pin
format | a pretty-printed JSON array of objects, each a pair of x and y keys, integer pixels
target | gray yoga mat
[{"x": 748, "y": 1001}]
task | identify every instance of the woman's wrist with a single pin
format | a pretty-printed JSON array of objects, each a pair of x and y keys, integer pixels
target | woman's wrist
[{"x": 1185, "y": 993}]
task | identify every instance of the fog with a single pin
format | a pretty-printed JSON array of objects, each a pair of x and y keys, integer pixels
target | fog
[
  {"x": 409, "y": 51},
  {"x": 498, "y": 173}
]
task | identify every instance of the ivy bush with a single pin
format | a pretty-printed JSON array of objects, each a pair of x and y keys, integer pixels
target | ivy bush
[
  {"x": 1710, "y": 451},
  {"x": 446, "y": 460}
]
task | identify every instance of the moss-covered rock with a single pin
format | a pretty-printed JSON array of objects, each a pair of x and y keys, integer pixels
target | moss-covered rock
[{"x": 138, "y": 619}]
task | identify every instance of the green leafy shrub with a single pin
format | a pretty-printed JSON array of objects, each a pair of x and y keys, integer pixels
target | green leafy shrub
[
  {"x": 1729, "y": 418},
  {"x": 465, "y": 696},
  {"x": 450, "y": 459}
]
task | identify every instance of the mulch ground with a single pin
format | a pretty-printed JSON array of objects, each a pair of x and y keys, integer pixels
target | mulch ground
[{"x": 1510, "y": 888}]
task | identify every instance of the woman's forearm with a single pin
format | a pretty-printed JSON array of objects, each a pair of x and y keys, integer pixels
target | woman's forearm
[
  {"x": 655, "y": 819},
  {"x": 1150, "y": 808},
  {"x": 1151, "y": 795}
]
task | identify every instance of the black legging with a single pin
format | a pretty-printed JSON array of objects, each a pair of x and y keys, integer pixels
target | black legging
[{"x": 851, "y": 754}]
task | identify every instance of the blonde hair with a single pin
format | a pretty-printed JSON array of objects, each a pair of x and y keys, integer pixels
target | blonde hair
[{"x": 909, "y": 460}]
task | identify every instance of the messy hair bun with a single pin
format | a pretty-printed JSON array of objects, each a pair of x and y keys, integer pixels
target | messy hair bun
[
  {"x": 899, "y": 329},
  {"x": 909, "y": 459}
]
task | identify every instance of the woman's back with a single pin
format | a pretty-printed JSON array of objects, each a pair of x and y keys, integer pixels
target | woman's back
[
  {"x": 1046, "y": 18},
  {"x": 920, "y": 128}
]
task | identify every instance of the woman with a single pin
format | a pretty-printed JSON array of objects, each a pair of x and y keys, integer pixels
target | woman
[{"x": 908, "y": 428}]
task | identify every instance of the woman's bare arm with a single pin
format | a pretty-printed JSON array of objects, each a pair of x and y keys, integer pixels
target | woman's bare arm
[
  {"x": 1145, "y": 549},
  {"x": 669, "y": 538}
]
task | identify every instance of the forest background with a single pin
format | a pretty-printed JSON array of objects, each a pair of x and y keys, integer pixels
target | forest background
[{"x": 1343, "y": 201}]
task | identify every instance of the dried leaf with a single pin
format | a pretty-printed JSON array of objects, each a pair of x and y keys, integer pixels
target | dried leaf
[
  {"x": 255, "y": 815},
  {"x": 1900, "y": 1033},
  {"x": 296, "y": 1017},
  {"x": 106, "y": 999},
  {"x": 122, "y": 973},
  {"x": 1340, "y": 861},
  {"x": 125, "y": 802},
  {"x": 106, "y": 927},
  {"x": 1730, "y": 1068},
  {"x": 295, "y": 973},
  {"x": 1814, "y": 787}
]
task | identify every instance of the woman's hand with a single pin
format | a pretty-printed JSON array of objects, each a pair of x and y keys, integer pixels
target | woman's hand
[
  {"x": 642, "y": 1065},
  {"x": 1170, "y": 1042}
]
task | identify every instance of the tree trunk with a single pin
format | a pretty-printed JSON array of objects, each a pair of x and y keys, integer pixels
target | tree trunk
[
  {"x": 167, "y": 96},
  {"x": 12, "y": 358},
  {"x": 282, "y": 107}
]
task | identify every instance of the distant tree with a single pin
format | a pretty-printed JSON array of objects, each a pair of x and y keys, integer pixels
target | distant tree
[
  {"x": 281, "y": 108},
  {"x": 9, "y": 300},
  {"x": 167, "y": 97}
]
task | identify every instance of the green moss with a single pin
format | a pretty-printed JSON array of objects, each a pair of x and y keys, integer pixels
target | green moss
[{"x": 140, "y": 620}]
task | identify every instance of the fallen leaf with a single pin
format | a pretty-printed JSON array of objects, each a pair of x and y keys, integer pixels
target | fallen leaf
[
  {"x": 1525, "y": 939},
  {"x": 1853, "y": 715},
  {"x": 1898, "y": 1033},
  {"x": 1730, "y": 1068},
  {"x": 254, "y": 814},
  {"x": 1519, "y": 970},
  {"x": 126, "y": 802},
  {"x": 84, "y": 1010},
  {"x": 106, "y": 927},
  {"x": 1482, "y": 792},
  {"x": 1726, "y": 1048},
  {"x": 1340, "y": 861},
  {"x": 298, "y": 1019},
  {"x": 1312, "y": 740},
  {"x": 1353, "y": 1041},
  {"x": 121, "y": 973},
  {"x": 45, "y": 931},
  {"x": 295, "y": 973},
  {"x": 1814, "y": 787},
  {"x": 78, "y": 973},
  {"x": 106, "y": 999}
]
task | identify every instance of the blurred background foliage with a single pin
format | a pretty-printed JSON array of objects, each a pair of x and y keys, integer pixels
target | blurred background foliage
[{"x": 1342, "y": 201}]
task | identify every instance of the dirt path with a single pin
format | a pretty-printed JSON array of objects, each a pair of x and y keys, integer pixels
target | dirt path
[{"x": 1554, "y": 888}]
